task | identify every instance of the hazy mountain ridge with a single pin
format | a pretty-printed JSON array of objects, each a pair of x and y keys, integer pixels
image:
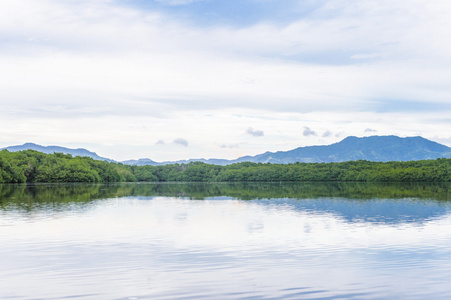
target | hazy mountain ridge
[
  {"x": 56, "y": 149},
  {"x": 373, "y": 148}
]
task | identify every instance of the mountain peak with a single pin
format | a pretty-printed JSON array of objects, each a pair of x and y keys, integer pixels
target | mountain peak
[{"x": 29, "y": 144}]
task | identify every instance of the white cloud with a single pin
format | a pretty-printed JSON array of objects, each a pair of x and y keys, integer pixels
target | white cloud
[
  {"x": 254, "y": 132},
  {"x": 146, "y": 55},
  {"x": 229, "y": 146},
  {"x": 370, "y": 130},
  {"x": 327, "y": 133},
  {"x": 308, "y": 132},
  {"x": 181, "y": 142},
  {"x": 96, "y": 73}
]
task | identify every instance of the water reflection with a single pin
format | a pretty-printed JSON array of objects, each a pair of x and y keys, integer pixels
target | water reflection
[
  {"x": 202, "y": 241},
  {"x": 390, "y": 203}
]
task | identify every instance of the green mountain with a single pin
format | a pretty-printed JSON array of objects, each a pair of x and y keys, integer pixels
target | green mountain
[{"x": 56, "y": 149}]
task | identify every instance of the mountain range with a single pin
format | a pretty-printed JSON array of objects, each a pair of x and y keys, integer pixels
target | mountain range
[
  {"x": 373, "y": 148},
  {"x": 57, "y": 149}
]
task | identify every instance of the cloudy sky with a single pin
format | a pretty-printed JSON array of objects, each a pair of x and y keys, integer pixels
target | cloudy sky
[{"x": 178, "y": 79}]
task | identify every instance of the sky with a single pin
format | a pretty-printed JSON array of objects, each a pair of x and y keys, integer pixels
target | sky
[{"x": 180, "y": 79}]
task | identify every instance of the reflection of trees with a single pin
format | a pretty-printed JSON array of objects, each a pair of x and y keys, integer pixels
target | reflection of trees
[
  {"x": 303, "y": 190},
  {"x": 29, "y": 197}
]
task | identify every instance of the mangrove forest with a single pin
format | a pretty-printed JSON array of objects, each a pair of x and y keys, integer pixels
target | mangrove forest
[{"x": 31, "y": 166}]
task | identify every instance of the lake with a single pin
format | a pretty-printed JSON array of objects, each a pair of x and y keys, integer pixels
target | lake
[{"x": 225, "y": 241}]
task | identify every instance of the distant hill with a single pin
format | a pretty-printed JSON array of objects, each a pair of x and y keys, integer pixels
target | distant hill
[
  {"x": 373, "y": 148},
  {"x": 57, "y": 149},
  {"x": 147, "y": 161},
  {"x": 140, "y": 162}
]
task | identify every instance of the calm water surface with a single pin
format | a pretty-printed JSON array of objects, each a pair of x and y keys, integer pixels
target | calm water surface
[{"x": 225, "y": 241}]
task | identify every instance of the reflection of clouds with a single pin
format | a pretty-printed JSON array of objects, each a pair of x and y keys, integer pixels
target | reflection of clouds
[
  {"x": 235, "y": 245},
  {"x": 383, "y": 211},
  {"x": 235, "y": 224},
  {"x": 255, "y": 227}
]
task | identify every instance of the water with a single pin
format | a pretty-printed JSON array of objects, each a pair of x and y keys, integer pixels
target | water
[{"x": 225, "y": 241}]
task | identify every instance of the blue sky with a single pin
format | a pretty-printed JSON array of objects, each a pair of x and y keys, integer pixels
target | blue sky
[
  {"x": 178, "y": 79},
  {"x": 230, "y": 13}
]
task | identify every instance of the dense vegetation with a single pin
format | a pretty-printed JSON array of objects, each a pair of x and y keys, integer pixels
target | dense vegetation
[{"x": 33, "y": 166}]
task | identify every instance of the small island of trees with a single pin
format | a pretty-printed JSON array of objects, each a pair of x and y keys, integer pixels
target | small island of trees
[{"x": 32, "y": 166}]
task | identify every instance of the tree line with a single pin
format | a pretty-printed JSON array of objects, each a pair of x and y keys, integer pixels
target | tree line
[{"x": 34, "y": 166}]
